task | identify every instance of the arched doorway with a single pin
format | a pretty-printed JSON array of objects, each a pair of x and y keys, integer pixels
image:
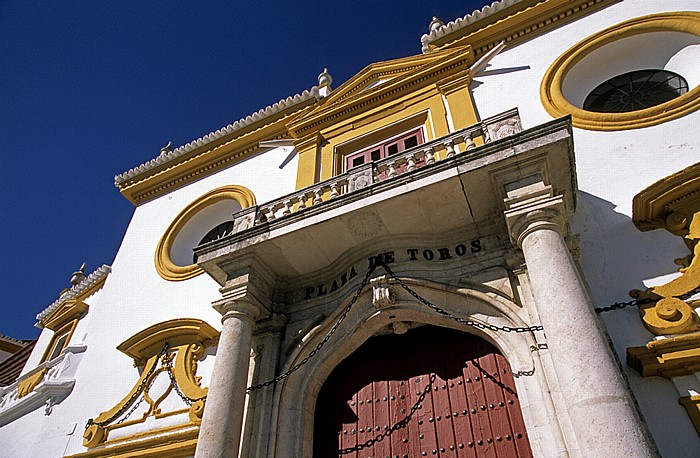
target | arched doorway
[{"x": 429, "y": 392}]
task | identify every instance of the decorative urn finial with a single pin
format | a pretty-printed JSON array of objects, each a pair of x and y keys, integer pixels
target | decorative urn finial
[
  {"x": 435, "y": 24},
  {"x": 166, "y": 149},
  {"x": 78, "y": 276}
]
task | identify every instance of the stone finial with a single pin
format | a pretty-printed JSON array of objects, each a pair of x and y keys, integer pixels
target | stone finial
[
  {"x": 324, "y": 83},
  {"x": 166, "y": 149},
  {"x": 325, "y": 79},
  {"x": 435, "y": 24},
  {"x": 78, "y": 276}
]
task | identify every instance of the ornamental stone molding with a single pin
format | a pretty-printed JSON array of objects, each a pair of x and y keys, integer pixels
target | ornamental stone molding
[
  {"x": 669, "y": 310},
  {"x": 672, "y": 204},
  {"x": 531, "y": 208},
  {"x": 169, "y": 350},
  {"x": 46, "y": 385}
]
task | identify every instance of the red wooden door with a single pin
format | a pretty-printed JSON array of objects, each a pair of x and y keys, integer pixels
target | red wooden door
[{"x": 430, "y": 392}]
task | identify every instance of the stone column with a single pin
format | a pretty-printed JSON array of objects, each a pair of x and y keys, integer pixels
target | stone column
[
  {"x": 603, "y": 415},
  {"x": 220, "y": 432}
]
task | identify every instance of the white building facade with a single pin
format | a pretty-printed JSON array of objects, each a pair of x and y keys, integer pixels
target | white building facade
[{"x": 426, "y": 268}]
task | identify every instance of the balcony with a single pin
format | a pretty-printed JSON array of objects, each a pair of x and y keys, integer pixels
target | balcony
[{"x": 430, "y": 191}]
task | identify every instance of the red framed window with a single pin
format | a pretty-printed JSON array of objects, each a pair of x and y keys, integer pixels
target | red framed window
[{"x": 385, "y": 149}]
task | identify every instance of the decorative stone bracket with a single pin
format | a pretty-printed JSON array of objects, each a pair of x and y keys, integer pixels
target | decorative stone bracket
[{"x": 383, "y": 293}]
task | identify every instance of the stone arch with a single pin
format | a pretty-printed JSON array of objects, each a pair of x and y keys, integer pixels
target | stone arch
[{"x": 295, "y": 397}]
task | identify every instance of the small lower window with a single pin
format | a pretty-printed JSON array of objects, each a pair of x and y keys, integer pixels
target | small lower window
[
  {"x": 59, "y": 341},
  {"x": 635, "y": 90}
]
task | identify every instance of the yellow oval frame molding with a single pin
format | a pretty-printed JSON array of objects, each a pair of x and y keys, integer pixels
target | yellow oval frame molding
[
  {"x": 165, "y": 266},
  {"x": 555, "y": 103}
]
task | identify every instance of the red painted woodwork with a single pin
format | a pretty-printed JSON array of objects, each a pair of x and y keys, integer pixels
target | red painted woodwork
[
  {"x": 460, "y": 388},
  {"x": 386, "y": 149}
]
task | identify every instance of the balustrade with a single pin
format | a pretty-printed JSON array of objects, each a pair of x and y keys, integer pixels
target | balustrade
[{"x": 426, "y": 154}]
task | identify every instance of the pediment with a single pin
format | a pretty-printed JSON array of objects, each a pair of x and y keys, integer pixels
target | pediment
[{"x": 396, "y": 77}]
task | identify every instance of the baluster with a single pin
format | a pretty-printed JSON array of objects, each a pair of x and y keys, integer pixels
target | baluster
[
  {"x": 271, "y": 216},
  {"x": 317, "y": 196},
  {"x": 450, "y": 149},
  {"x": 286, "y": 210},
  {"x": 392, "y": 170},
  {"x": 302, "y": 202},
  {"x": 411, "y": 162},
  {"x": 334, "y": 190},
  {"x": 469, "y": 142},
  {"x": 429, "y": 157},
  {"x": 261, "y": 215}
]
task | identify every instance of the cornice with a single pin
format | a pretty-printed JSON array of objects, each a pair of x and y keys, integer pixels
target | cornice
[
  {"x": 180, "y": 331},
  {"x": 208, "y": 154},
  {"x": 82, "y": 290},
  {"x": 377, "y": 71},
  {"x": 511, "y": 21},
  {"x": 330, "y": 112},
  {"x": 681, "y": 190},
  {"x": 669, "y": 357}
]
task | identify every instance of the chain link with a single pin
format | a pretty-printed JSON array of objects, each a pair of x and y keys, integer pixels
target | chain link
[
  {"x": 443, "y": 312},
  {"x": 320, "y": 345},
  {"x": 169, "y": 369},
  {"x": 363, "y": 284},
  {"x": 472, "y": 323},
  {"x": 636, "y": 302},
  {"x": 134, "y": 395},
  {"x": 396, "y": 426}
]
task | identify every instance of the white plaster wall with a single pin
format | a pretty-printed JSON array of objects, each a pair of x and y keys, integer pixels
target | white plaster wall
[
  {"x": 612, "y": 168},
  {"x": 133, "y": 298}
]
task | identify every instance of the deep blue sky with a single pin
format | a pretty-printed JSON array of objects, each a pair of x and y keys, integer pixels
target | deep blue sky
[{"x": 89, "y": 89}]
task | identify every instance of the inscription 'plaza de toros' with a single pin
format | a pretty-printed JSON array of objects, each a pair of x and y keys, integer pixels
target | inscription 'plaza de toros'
[{"x": 388, "y": 257}]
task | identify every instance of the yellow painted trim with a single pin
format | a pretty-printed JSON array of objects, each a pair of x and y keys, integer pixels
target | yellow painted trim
[
  {"x": 165, "y": 267},
  {"x": 672, "y": 357},
  {"x": 692, "y": 407},
  {"x": 173, "y": 441},
  {"x": 187, "y": 339},
  {"x": 211, "y": 157},
  {"x": 72, "y": 309},
  {"x": 27, "y": 385},
  {"x": 335, "y": 112},
  {"x": 177, "y": 332},
  {"x": 68, "y": 311},
  {"x": 355, "y": 111},
  {"x": 518, "y": 23},
  {"x": 552, "y": 96},
  {"x": 669, "y": 201},
  {"x": 68, "y": 328}
]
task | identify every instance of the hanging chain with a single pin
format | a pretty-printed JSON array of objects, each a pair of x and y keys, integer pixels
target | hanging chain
[
  {"x": 396, "y": 426},
  {"x": 134, "y": 395},
  {"x": 320, "y": 345},
  {"x": 443, "y": 312},
  {"x": 472, "y": 323},
  {"x": 636, "y": 302},
  {"x": 169, "y": 369}
]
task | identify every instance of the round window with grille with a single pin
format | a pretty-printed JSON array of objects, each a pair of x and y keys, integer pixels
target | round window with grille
[{"x": 635, "y": 90}]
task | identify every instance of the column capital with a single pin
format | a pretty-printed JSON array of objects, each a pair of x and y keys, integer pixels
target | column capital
[
  {"x": 244, "y": 296},
  {"x": 533, "y": 208}
]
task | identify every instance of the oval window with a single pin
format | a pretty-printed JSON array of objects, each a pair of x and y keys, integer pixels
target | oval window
[{"x": 175, "y": 260}]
